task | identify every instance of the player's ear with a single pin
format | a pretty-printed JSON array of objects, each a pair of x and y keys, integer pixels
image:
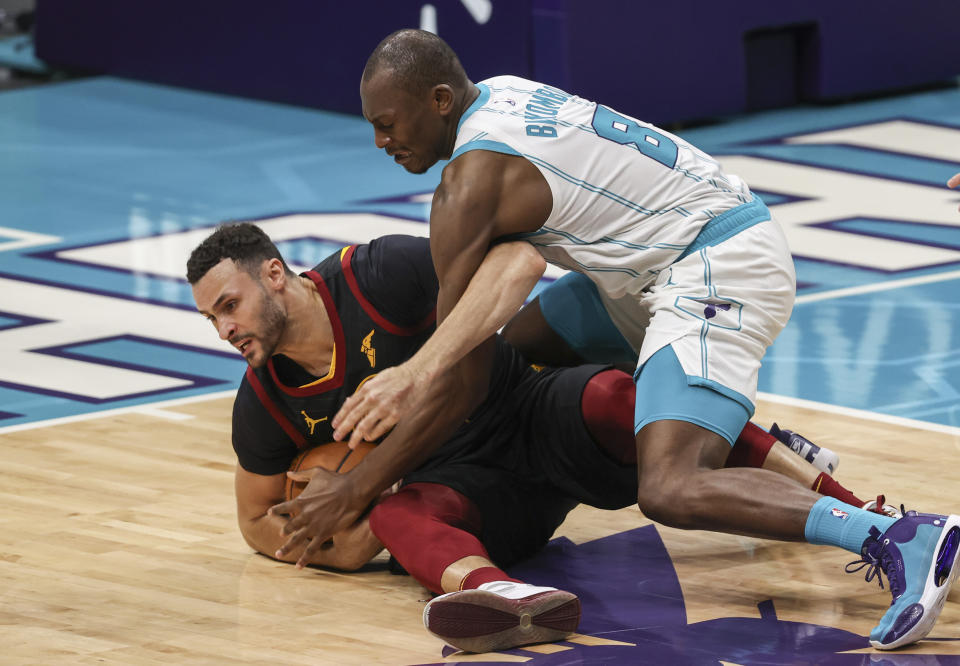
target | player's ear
[
  {"x": 273, "y": 273},
  {"x": 443, "y": 98}
]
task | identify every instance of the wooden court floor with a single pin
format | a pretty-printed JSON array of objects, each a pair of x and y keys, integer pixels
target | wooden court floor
[{"x": 119, "y": 545}]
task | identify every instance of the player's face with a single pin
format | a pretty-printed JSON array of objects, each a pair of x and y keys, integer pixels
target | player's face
[
  {"x": 242, "y": 309},
  {"x": 409, "y": 128}
]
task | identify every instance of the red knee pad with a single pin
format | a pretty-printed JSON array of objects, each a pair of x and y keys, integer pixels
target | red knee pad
[
  {"x": 427, "y": 527},
  {"x": 751, "y": 448},
  {"x": 607, "y": 406}
]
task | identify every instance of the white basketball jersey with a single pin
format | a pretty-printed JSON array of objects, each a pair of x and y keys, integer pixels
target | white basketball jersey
[{"x": 628, "y": 198}]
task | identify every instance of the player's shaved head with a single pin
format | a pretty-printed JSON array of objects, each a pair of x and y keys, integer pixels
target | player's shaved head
[
  {"x": 416, "y": 61},
  {"x": 244, "y": 243}
]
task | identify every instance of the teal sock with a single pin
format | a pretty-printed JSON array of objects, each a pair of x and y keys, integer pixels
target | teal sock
[{"x": 835, "y": 523}]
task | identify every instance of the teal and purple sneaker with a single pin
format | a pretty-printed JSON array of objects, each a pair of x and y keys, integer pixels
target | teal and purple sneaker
[{"x": 918, "y": 554}]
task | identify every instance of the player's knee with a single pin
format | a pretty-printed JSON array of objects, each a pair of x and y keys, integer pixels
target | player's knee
[
  {"x": 383, "y": 518},
  {"x": 607, "y": 409},
  {"x": 389, "y": 517},
  {"x": 666, "y": 501}
]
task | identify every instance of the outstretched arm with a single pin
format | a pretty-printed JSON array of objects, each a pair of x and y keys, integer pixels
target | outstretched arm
[
  {"x": 482, "y": 196},
  {"x": 494, "y": 294}
]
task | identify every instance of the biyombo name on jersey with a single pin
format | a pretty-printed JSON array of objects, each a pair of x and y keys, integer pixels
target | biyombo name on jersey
[{"x": 542, "y": 109}]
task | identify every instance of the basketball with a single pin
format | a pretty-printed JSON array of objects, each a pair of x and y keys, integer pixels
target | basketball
[{"x": 334, "y": 456}]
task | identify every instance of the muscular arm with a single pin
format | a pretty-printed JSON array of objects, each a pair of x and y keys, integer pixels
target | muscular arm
[
  {"x": 349, "y": 549},
  {"x": 482, "y": 196}
]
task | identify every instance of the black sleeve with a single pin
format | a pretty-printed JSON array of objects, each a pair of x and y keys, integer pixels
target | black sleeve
[
  {"x": 396, "y": 275},
  {"x": 261, "y": 445}
]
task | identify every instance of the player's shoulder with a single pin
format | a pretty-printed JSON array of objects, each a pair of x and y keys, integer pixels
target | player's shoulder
[
  {"x": 382, "y": 253},
  {"x": 509, "y": 81}
]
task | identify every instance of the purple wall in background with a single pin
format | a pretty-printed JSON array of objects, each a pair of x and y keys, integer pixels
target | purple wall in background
[
  {"x": 663, "y": 62},
  {"x": 304, "y": 52}
]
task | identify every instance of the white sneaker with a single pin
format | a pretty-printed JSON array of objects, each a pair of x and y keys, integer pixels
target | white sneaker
[
  {"x": 819, "y": 456},
  {"x": 501, "y": 615},
  {"x": 885, "y": 509}
]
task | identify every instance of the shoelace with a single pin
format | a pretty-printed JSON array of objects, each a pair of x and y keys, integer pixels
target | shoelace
[{"x": 882, "y": 563}]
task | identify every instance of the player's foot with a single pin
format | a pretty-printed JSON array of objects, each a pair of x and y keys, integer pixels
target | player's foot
[
  {"x": 502, "y": 615},
  {"x": 879, "y": 506},
  {"x": 918, "y": 554},
  {"x": 820, "y": 457}
]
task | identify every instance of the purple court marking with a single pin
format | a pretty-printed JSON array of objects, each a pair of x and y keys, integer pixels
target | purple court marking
[
  {"x": 784, "y": 198},
  {"x": 630, "y": 593},
  {"x": 872, "y": 269},
  {"x": 62, "y": 351},
  {"x": 834, "y": 167},
  {"x": 21, "y": 321},
  {"x": 835, "y": 225}
]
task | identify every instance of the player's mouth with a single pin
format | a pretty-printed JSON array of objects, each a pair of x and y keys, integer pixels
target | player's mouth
[
  {"x": 401, "y": 157},
  {"x": 244, "y": 347}
]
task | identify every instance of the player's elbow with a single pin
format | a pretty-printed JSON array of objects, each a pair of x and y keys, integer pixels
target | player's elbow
[
  {"x": 249, "y": 535},
  {"x": 527, "y": 262},
  {"x": 351, "y": 560}
]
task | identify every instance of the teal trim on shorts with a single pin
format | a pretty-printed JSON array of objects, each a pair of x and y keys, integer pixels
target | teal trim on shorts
[
  {"x": 665, "y": 392},
  {"x": 572, "y": 307},
  {"x": 728, "y": 224}
]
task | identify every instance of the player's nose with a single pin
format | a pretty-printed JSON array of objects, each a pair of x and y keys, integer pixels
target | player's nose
[
  {"x": 226, "y": 328},
  {"x": 380, "y": 139}
]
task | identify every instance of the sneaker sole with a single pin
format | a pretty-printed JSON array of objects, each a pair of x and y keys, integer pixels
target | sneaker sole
[
  {"x": 943, "y": 566},
  {"x": 481, "y": 621}
]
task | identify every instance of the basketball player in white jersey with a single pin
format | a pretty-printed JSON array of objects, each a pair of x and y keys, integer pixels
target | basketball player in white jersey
[{"x": 659, "y": 227}]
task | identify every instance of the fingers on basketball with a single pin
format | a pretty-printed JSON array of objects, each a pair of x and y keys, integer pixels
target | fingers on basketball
[{"x": 334, "y": 456}]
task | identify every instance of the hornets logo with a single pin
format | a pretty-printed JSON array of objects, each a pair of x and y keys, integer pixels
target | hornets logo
[{"x": 367, "y": 348}]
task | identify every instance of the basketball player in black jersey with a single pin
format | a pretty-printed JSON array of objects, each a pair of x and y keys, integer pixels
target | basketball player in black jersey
[{"x": 537, "y": 443}]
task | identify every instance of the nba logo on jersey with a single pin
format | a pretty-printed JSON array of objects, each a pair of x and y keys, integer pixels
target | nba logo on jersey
[{"x": 839, "y": 513}]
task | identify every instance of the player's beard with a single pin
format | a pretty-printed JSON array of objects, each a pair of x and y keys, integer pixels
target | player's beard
[{"x": 273, "y": 321}]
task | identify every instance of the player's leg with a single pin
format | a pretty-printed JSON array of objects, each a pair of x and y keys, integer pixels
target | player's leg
[
  {"x": 607, "y": 408},
  {"x": 433, "y": 532},
  {"x": 712, "y": 322},
  {"x": 438, "y": 535},
  {"x": 567, "y": 325}
]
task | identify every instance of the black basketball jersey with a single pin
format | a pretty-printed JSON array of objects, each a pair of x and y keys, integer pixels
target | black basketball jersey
[
  {"x": 381, "y": 300},
  {"x": 280, "y": 408}
]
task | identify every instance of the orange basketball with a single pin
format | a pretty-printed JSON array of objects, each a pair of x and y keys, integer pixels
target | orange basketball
[{"x": 335, "y": 456}]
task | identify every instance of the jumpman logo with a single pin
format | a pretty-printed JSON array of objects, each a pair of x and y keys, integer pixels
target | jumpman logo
[
  {"x": 312, "y": 422},
  {"x": 367, "y": 348}
]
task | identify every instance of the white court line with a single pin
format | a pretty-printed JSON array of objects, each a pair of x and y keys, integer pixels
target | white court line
[
  {"x": 877, "y": 286},
  {"x": 860, "y": 414},
  {"x": 149, "y": 409},
  {"x": 142, "y": 409},
  {"x": 24, "y": 239}
]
